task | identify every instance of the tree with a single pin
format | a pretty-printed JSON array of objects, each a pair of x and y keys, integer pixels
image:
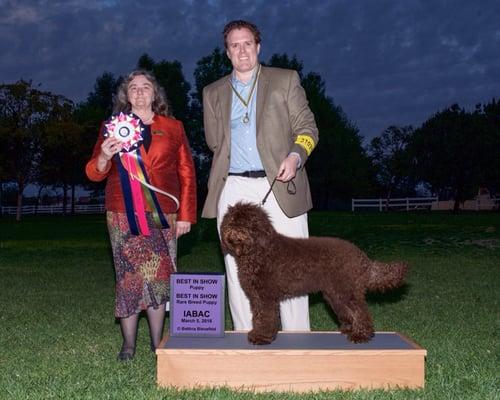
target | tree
[
  {"x": 491, "y": 113},
  {"x": 169, "y": 75},
  {"x": 184, "y": 107},
  {"x": 90, "y": 114},
  {"x": 101, "y": 98},
  {"x": 283, "y": 61},
  {"x": 24, "y": 114},
  {"x": 208, "y": 70},
  {"x": 65, "y": 152},
  {"x": 390, "y": 158},
  {"x": 453, "y": 151},
  {"x": 339, "y": 167},
  {"x": 146, "y": 62},
  {"x": 99, "y": 104}
]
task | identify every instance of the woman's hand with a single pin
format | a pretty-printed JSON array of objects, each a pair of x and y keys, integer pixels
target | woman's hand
[
  {"x": 182, "y": 227},
  {"x": 109, "y": 148}
]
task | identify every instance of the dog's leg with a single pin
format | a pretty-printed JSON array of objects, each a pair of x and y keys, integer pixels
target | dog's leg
[
  {"x": 362, "y": 323},
  {"x": 265, "y": 321},
  {"x": 353, "y": 315},
  {"x": 339, "y": 307}
]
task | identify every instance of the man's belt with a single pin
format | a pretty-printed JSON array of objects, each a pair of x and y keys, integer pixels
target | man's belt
[{"x": 249, "y": 174}]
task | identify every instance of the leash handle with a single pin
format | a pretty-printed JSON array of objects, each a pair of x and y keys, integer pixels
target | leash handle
[
  {"x": 291, "y": 190},
  {"x": 268, "y": 193}
]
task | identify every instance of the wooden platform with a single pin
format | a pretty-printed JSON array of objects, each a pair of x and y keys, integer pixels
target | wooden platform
[{"x": 298, "y": 362}]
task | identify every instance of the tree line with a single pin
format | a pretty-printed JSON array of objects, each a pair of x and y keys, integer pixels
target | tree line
[{"x": 47, "y": 139}]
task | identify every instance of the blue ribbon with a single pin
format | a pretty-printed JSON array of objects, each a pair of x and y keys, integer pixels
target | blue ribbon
[
  {"x": 127, "y": 196},
  {"x": 163, "y": 220}
]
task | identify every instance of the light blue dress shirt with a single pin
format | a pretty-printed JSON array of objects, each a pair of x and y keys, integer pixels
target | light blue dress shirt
[{"x": 244, "y": 153}]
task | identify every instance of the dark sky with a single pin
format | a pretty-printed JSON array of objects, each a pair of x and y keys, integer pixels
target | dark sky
[{"x": 384, "y": 61}]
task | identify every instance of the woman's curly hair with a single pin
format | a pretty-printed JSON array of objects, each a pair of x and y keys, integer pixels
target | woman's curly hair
[{"x": 160, "y": 103}]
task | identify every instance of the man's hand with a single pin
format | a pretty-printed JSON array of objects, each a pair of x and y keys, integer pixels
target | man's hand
[
  {"x": 288, "y": 168},
  {"x": 182, "y": 227}
]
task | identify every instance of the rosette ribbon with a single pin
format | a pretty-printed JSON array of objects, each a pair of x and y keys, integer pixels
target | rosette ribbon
[{"x": 136, "y": 187}]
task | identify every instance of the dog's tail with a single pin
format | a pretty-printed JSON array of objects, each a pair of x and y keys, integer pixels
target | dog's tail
[{"x": 386, "y": 276}]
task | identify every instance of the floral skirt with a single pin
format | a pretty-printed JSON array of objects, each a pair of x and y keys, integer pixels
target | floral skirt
[{"x": 143, "y": 264}]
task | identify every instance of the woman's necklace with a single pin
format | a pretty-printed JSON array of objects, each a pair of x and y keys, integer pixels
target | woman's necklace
[{"x": 246, "y": 102}]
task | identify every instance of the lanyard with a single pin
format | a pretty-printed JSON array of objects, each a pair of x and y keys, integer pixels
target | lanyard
[{"x": 246, "y": 102}]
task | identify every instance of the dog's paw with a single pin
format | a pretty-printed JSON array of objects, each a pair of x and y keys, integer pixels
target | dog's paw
[
  {"x": 346, "y": 329},
  {"x": 259, "y": 338},
  {"x": 360, "y": 337}
]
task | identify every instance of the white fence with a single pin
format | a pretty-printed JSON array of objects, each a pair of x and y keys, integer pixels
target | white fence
[
  {"x": 79, "y": 209},
  {"x": 480, "y": 203},
  {"x": 407, "y": 203}
]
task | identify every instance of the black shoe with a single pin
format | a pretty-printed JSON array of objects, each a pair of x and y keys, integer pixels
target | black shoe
[{"x": 125, "y": 355}]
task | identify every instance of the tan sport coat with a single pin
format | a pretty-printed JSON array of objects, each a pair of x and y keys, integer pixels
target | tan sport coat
[{"x": 283, "y": 114}]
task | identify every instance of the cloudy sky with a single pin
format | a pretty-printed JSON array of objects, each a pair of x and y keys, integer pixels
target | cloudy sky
[{"x": 383, "y": 61}]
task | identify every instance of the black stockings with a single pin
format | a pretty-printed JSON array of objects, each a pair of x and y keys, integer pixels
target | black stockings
[
  {"x": 129, "y": 333},
  {"x": 128, "y": 326},
  {"x": 155, "y": 320}
]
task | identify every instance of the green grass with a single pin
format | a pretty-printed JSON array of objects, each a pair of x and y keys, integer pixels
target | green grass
[{"x": 59, "y": 338}]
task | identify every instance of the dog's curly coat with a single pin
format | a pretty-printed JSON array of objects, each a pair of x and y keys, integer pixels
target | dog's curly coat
[{"x": 273, "y": 267}]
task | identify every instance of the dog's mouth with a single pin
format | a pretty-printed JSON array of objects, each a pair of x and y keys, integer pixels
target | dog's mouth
[{"x": 232, "y": 246}]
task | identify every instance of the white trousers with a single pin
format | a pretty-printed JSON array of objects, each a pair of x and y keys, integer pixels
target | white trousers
[{"x": 295, "y": 311}]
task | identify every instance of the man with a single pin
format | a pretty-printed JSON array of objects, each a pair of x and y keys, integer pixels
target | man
[{"x": 259, "y": 126}]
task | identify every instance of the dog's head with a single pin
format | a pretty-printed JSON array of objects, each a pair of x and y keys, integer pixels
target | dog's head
[{"x": 244, "y": 228}]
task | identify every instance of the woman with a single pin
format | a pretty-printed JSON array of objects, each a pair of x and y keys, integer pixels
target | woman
[{"x": 144, "y": 219}]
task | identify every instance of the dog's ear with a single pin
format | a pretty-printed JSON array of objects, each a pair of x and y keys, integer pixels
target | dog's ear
[
  {"x": 263, "y": 239},
  {"x": 237, "y": 241}
]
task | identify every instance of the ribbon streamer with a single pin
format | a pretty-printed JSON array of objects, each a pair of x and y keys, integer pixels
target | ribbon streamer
[
  {"x": 138, "y": 200},
  {"x": 136, "y": 188},
  {"x": 147, "y": 184},
  {"x": 127, "y": 197}
]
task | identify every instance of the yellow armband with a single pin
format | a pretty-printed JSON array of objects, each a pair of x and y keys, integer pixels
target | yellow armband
[{"x": 306, "y": 142}]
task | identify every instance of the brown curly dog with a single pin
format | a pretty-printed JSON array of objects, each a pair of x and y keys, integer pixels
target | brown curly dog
[{"x": 273, "y": 267}]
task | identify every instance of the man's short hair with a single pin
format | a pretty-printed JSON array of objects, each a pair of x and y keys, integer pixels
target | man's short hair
[{"x": 238, "y": 24}]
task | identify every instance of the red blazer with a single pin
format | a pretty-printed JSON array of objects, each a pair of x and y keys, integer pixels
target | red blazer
[{"x": 169, "y": 166}]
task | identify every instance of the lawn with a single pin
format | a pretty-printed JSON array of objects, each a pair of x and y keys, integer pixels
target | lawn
[{"x": 59, "y": 338}]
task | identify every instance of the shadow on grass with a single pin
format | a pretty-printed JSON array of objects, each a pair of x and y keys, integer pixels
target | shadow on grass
[{"x": 392, "y": 296}]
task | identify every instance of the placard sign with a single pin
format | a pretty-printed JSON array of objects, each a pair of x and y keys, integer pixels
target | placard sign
[{"x": 197, "y": 304}]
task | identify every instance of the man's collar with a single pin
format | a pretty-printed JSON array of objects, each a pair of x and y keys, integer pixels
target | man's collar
[{"x": 235, "y": 80}]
